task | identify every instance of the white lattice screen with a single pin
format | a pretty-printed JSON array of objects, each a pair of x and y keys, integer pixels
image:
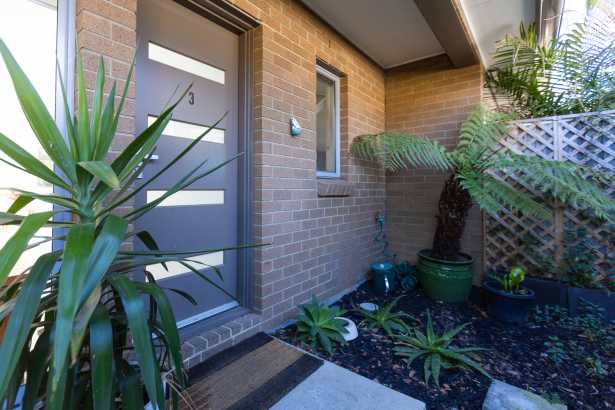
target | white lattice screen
[{"x": 587, "y": 139}]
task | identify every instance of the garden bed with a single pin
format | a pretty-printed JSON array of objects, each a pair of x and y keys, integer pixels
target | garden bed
[{"x": 524, "y": 356}]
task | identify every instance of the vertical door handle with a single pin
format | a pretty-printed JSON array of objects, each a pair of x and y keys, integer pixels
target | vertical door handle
[{"x": 151, "y": 157}]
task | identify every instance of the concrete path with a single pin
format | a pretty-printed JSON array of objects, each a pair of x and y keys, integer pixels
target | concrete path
[{"x": 332, "y": 387}]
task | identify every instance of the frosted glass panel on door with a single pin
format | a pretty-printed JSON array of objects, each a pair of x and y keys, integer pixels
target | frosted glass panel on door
[
  {"x": 181, "y": 129},
  {"x": 184, "y": 63},
  {"x": 188, "y": 197},
  {"x": 29, "y": 30},
  {"x": 200, "y": 262}
]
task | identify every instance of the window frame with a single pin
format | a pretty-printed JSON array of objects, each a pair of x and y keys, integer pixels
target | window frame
[
  {"x": 338, "y": 140},
  {"x": 66, "y": 55}
]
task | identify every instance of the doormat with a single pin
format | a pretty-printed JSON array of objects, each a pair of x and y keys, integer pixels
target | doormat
[{"x": 254, "y": 374}]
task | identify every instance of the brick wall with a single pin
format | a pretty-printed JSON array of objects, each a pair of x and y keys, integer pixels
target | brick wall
[
  {"x": 108, "y": 28},
  {"x": 319, "y": 246},
  {"x": 428, "y": 98}
]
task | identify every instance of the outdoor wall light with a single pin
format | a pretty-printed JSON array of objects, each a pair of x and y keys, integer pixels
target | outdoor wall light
[{"x": 295, "y": 127}]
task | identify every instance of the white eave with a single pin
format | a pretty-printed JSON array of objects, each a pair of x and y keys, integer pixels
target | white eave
[{"x": 396, "y": 32}]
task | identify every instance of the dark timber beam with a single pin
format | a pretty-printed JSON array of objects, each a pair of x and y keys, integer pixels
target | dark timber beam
[{"x": 446, "y": 20}]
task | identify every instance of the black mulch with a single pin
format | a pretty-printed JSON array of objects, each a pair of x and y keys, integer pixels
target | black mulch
[{"x": 517, "y": 356}]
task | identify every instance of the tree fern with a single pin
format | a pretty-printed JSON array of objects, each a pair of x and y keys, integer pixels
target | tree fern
[
  {"x": 571, "y": 184},
  {"x": 476, "y": 160},
  {"x": 496, "y": 196},
  {"x": 478, "y": 137},
  {"x": 397, "y": 150}
]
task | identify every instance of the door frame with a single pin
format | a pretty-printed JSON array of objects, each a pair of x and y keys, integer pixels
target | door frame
[
  {"x": 237, "y": 21},
  {"x": 66, "y": 54}
]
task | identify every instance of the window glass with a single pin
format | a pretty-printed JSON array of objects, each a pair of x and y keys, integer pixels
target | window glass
[
  {"x": 29, "y": 28},
  {"x": 326, "y": 125}
]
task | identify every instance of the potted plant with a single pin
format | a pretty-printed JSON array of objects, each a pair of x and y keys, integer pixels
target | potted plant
[
  {"x": 576, "y": 275},
  {"x": 79, "y": 328},
  {"x": 506, "y": 299},
  {"x": 444, "y": 272}
]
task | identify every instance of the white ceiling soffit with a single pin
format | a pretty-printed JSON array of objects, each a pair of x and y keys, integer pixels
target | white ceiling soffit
[
  {"x": 391, "y": 32},
  {"x": 491, "y": 20}
]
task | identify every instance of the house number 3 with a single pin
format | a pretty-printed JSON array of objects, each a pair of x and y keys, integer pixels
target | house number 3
[{"x": 191, "y": 98}]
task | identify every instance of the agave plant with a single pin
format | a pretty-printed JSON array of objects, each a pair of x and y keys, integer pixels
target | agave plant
[
  {"x": 473, "y": 165},
  {"x": 439, "y": 352},
  {"x": 317, "y": 323},
  {"x": 570, "y": 74},
  {"x": 78, "y": 331},
  {"x": 383, "y": 318}
]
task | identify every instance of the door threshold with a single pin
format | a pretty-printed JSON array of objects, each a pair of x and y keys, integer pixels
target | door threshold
[{"x": 207, "y": 314}]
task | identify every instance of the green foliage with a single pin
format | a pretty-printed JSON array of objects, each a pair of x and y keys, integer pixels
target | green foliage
[
  {"x": 553, "y": 398},
  {"x": 571, "y": 74},
  {"x": 578, "y": 266},
  {"x": 383, "y": 318},
  {"x": 594, "y": 367},
  {"x": 510, "y": 281},
  {"x": 597, "y": 337},
  {"x": 396, "y": 150},
  {"x": 478, "y": 158},
  {"x": 555, "y": 350},
  {"x": 406, "y": 273},
  {"x": 550, "y": 314},
  {"x": 578, "y": 263},
  {"x": 75, "y": 315},
  {"x": 438, "y": 352},
  {"x": 317, "y": 324},
  {"x": 589, "y": 322},
  {"x": 559, "y": 352}
]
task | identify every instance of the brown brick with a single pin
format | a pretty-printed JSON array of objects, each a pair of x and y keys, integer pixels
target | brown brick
[
  {"x": 319, "y": 245},
  {"x": 123, "y": 35},
  {"x": 94, "y": 23},
  {"x": 428, "y": 98}
]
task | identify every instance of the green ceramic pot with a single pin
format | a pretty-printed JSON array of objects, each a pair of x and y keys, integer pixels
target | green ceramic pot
[{"x": 449, "y": 281}]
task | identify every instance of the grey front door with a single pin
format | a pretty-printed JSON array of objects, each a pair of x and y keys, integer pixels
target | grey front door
[{"x": 176, "y": 48}]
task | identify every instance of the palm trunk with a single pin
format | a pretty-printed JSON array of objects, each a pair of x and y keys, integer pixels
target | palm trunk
[{"x": 453, "y": 207}]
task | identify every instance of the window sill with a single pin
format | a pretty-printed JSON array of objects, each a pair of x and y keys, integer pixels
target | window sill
[{"x": 328, "y": 187}]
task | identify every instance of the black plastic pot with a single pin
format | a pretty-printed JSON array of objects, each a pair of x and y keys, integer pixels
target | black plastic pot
[
  {"x": 508, "y": 307},
  {"x": 548, "y": 291},
  {"x": 598, "y": 297}
]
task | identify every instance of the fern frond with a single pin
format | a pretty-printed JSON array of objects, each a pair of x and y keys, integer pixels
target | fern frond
[
  {"x": 574, "y": 185},
  {"x": 398, "y": 151},
  {"x": 480, "y": 133},
  {"x": 494, "y": 195},
  {"x": 572, "y": 74}
]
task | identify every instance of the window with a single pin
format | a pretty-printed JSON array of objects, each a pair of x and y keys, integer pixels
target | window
[
  {"x": 327, "y": 124},
  {"x": 37, "y": 51}
]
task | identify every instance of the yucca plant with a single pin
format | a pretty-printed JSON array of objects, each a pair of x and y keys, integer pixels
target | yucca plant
[
  {"x": 384, "y": 318},
  {"x": 79, "y": 332},
  {"x": 570, "y": 74},
  {"x": 317, "y": 324},
  {"x": 473, "y": 166},
  {"x": 438, "y": 351}
]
